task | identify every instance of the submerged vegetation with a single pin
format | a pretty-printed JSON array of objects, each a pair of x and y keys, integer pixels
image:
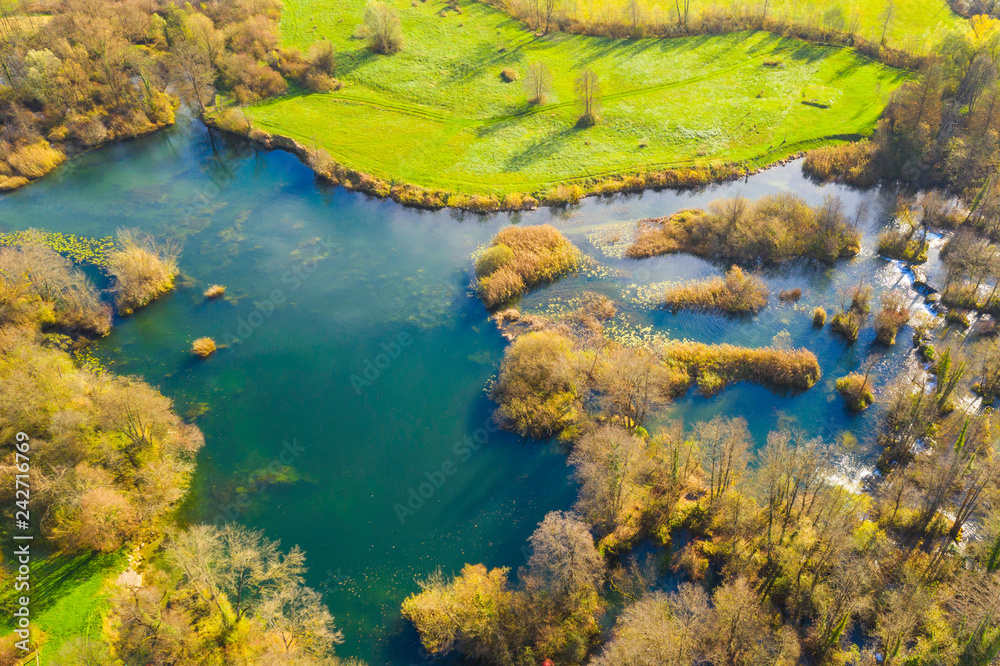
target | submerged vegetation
[
  {"x": 773, "y": 228},
  {"x": 522, "y": 258},
  {"x": 737, "y": 293}
]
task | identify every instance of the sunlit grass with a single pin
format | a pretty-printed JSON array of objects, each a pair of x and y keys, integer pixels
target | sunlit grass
[{"x": 440, "y": 114}]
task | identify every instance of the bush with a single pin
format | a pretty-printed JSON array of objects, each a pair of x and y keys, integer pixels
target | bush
[
  {"x": 848, "y": 324},
  {"x": 737, "y": 293},
  {"x": 790, "y": 296},
  {"x": 142, "y": 269},
  {"x": 540, "y": 254},
  {"x": 203, "y": 347},
  {"x": 856, "y": 391},
  {"x": 898, "y": 244},
  {"x": 539, "y": 386},
  {"x": 35, "y": 160},
  {"x": 774, "y": 228},
  {"x": 383, "y": 28},
  {"x": 492, "y": 259},
  {"x": 819, "y": 317},
  {"x": 509, "y": 75}
]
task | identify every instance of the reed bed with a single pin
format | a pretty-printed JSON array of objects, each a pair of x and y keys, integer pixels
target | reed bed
[
  {"x": 522, "y": 258},
  {"x": 738, "y": 293},
  {"x": 774, "y": 228}
]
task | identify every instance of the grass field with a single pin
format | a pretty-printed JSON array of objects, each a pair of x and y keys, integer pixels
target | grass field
[
  {"x": 911, "y": 22},
  {"x": 439, "y": 115},
  {"x": 68, "y": 596}
]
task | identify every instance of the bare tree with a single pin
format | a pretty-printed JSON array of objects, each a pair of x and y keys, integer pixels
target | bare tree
[
  {"x": 538, "y": 82},
  {"x": 564, "y": 562},
  {"x": 588, "y": 90}
]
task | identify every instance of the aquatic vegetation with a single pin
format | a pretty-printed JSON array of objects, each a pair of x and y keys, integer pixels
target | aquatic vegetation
[
  {"x": 856, "y": 390},
  {"x": 203, "y": 347},
  {"x": 521, "y": 258},
  {"x": 713, "y": 367},
  {"x": 737, "y": 293},
  {"x": 142, "y": 268},
  {"x": 215, "y": 291},
  {"x": 819, "y": 317},
  {"x": 81, "y": 250},
  {"x": 790, "y": 295},
  {"x": 773, "y": 228}
]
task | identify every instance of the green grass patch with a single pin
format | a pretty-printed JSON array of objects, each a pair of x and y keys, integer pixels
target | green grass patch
[
  {"x": 68, "y": 595},
  {"x": 439, "y": 115}
]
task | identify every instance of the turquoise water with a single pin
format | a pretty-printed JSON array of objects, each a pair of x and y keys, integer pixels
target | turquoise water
[{"x": 324, "y": 286}]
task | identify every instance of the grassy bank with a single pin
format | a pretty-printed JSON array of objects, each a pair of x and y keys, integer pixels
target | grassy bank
[{"x": 439, "y": 115}]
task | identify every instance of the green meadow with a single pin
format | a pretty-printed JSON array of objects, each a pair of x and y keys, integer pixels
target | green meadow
[{"x": 439, "y": 115}]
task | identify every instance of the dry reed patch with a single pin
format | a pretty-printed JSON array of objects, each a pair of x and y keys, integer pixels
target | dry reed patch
[
  {"x": 203, "y": 347},
  {"x": 773, "y": 228},
  {"x": 142, "y": 268},
  {"x": 716, "y": 366},
  {"x": 521, "y": 258},
  {"x": 35, "y": 160},
  {"x": 737, "y": 293},
  {"x": 215, "y": 291}
]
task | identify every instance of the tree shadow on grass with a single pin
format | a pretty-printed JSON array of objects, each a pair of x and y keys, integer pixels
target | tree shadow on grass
[
  {"x": 58, "y": 575},
  {"x": 541, "y": 149}
]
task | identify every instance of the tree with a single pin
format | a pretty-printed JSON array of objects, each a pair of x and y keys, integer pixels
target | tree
[
  {"x": 564, "y": 562},
  {"x": 296, "y": 615},
  {"x": 588, "y": 90},
  {"x": 724, "y": 445},
  {"x": 237, "y": 564},
  {"x": 886, "y": 18},
  {"x": 383, "y": 28},
  {"x": 550, "y": 8},
  {"x": 605, "y": 463},
  {"x": 660, "y": 630},
  {"x": 538, "y": 82}
]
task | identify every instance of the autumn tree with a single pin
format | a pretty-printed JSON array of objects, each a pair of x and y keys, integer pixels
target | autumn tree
[{"x": 383, "y": 28}]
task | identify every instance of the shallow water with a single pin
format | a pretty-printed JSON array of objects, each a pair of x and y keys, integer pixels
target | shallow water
[{"x": 324, "y": 284}]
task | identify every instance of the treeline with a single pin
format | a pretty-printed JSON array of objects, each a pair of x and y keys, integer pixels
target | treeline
[
  {"x": 95, "y": 72},
  {"x": 938, "y": 130},
  {"x": 636, "y": 19}
]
